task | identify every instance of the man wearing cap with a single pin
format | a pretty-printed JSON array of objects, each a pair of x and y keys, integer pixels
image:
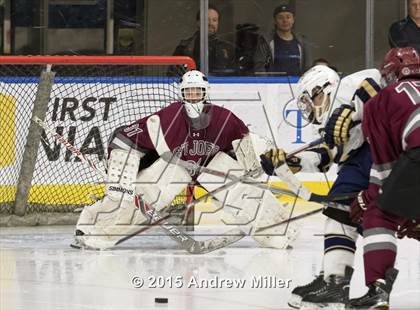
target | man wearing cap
[{"x": 283, "y": 51}]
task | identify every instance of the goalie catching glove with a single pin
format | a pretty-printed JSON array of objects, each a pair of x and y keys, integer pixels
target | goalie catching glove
[
  {"x": 338, "y": 126},
  {"x": 274, "y": 158}
]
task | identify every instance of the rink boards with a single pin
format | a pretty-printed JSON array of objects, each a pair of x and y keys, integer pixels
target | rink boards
[{"x": 265, "y": 105}]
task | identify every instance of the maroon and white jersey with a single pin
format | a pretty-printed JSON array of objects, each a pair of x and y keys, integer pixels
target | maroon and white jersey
[
  {"x": 198, "y": 146},
  {"x": 391, "y": 124}
]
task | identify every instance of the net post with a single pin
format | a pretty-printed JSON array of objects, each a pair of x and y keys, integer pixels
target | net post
[{"x": 32, "y": 141}]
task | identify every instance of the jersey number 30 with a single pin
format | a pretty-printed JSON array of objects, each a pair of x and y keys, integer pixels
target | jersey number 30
[{"x": 411, "y": 89}]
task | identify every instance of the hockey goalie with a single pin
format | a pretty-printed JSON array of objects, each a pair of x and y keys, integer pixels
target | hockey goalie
[{"x": 196, "y": 132}]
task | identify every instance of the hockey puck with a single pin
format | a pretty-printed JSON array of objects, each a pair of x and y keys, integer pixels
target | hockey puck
[{"x": 161, "y": 300}]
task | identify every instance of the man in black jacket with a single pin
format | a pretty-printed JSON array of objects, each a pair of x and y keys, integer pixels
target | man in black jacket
[
  {"x": 406, "y": 32},
  {"x": 221, "y": 53}
]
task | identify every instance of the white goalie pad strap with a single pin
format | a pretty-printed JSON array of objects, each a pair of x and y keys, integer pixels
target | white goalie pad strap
[
  {"x": 123, "y": 166},
  {"x": 107, "y": 221},
  {"x": 249, "y": 148},
  {"x": 161, "y": 182}
]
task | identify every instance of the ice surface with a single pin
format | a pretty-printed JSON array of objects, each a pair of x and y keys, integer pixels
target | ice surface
[{"x": 39, "y": 270}]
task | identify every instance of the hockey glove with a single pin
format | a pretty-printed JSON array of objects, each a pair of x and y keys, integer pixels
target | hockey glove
[
  {"x": 410, "y": 228},
  {"x": 274, "y": 158},
  {"x": 325, "y": 155},
  {"x": 338, "y": 126},
  {"x": 357, "y": 208}
]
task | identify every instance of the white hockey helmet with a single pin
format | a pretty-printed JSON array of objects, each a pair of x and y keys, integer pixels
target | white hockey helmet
[
  {"x": 193, "y": 90},
  {"x": 318, "y": 80}
]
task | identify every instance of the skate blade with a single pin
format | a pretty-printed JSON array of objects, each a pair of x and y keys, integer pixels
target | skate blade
[
  {"x": 380, "y": 306},
  {"x": 317, "y": 306}
]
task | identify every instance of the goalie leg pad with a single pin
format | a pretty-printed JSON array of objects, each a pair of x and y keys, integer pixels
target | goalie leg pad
[
  {"x": 105, "y": 222},
  {"x": 161, "y": 182},
  {"x": 122, "y": 171},
  {"x": 245, "y": 204},
  {"x": 271, "y": 212},
  {"x": 224, "y": 163}
]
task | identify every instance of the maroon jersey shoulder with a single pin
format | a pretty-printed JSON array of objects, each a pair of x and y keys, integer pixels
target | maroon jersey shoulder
[
  {"x": 225, "y": 119},
  {"x": 390, "y": 118}
]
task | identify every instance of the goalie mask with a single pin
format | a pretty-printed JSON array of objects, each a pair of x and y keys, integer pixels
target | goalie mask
[
  {"x": 194, "y": 92},
  {"x": 315, "y": 91}
]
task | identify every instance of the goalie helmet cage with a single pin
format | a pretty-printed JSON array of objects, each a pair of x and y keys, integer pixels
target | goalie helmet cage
[{"x": 85, "y": 99}]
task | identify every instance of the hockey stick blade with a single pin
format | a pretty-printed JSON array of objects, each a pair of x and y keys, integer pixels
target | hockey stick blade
[{"x": 189, "y": 244}]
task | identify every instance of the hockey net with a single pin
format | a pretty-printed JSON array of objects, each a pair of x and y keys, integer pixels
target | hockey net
[{"x": 83, "y": 98}]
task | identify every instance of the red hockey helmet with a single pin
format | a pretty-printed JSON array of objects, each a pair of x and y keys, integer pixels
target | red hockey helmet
[{"x": 400, "y": 62}]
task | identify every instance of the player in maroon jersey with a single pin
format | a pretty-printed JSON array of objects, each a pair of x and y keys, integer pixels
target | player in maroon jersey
[
  {"x": 391, "y": 125},
  {"x": 194, "y": 129}
]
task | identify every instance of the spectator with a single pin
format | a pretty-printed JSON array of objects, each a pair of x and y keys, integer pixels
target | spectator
[
  {"x": 406, "y": 32},
  {"x": 283, "y": 51},
  {"x": 221, "y": 53},
  {"x": 126, "y": 44},
  {"x": 324, "y": 62}
]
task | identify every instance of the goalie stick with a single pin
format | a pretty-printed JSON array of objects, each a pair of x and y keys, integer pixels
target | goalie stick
[{"x": 186, "y": 242}]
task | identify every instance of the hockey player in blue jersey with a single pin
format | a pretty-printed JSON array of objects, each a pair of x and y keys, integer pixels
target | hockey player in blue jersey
[{"x": 320, "y": 91}]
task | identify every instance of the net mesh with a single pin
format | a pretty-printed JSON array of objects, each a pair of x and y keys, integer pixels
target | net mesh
[{"x": 87, "y": 103}]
